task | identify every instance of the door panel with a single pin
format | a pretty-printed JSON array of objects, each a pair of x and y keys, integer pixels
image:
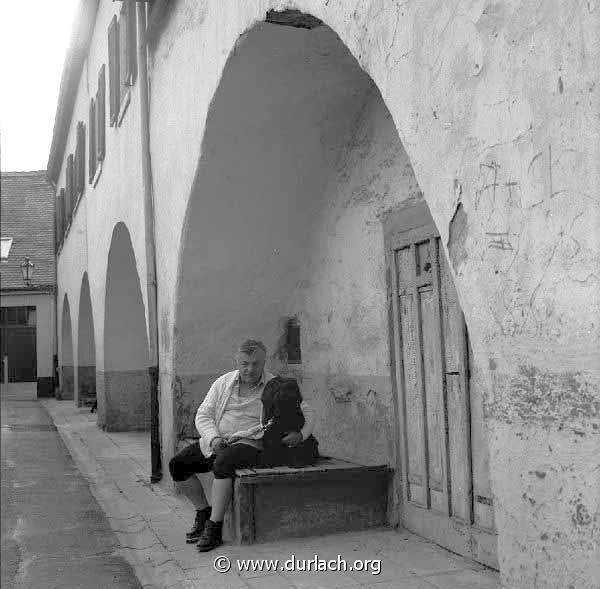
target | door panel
[
  {"x": 433, "y": 394},
  {"x": 482, "y": 494},
  {"x": 445, "y": 464}
]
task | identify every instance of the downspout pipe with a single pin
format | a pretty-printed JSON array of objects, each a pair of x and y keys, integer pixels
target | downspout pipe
[{"x": 151, "y": 283}]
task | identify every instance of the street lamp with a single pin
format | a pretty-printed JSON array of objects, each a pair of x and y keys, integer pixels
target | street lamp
[{"x": 27, "y": 270}]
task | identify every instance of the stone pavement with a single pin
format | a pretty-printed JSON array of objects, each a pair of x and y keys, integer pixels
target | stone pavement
[
  {"x": 150, "y": 521},
  {"x": 54, "y": 533}
]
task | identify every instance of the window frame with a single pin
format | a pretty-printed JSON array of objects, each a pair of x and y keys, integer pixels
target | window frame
[{"x": 10, "y": 242}]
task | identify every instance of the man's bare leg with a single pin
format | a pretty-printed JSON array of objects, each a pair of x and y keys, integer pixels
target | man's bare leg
[
  {"x": 222, "y": 491},
  {"x": 193, "y": 490}
]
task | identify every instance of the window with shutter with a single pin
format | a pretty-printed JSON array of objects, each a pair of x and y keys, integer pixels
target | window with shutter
[
  {"x": 123, "y": 53},
  {"x": 100, "y": 116},
  {"x": 127, "y": 48},
  {"x": 63, "y": 213},
  {"x": 92, "y": 145},
  {"x": 80, "y": 160},
  {"x": 76, "y": 164},
  {"x": 60, "y": 198},
  {"x": 70, "y": 191},
  {"x": 131, "y": 41},
  {"x": 113, "y": 70}
]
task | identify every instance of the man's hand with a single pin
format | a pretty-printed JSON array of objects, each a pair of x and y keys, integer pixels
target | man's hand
[
  {"x": 292, "y": 439},
  {"x": 217, "y": 445}
]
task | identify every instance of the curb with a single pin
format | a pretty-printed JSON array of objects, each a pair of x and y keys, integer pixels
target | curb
[{"x": 139, "y": 545}]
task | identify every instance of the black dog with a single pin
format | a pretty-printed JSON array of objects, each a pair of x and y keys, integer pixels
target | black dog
[{"x": 281, "y": 400}]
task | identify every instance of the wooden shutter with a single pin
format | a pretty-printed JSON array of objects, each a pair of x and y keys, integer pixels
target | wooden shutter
[
  {"x": 113, "y": 70},
  {"x": 63, "y": 213},
  {"x": 123, "y": 53},
  {"x": 92, "y": 145},
  {"x": 63, "y": 219},
  {"x": 131, "y": 42},
  {"x": 80, "y": 159},
  {"x": 100, "y": 115},
  {"x": 76, "y": 164},
  {"x": 70, "y": 192},
  {"x": 60, "y": 199}
]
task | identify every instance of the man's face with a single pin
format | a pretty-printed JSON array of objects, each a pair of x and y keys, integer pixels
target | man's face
[{"x": 251, "y": 366}]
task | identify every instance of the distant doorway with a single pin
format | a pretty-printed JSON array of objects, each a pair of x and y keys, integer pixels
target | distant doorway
[{"x": 19, "y": 350}]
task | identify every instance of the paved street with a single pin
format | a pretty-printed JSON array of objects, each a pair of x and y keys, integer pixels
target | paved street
[{"x": 54, "y": 534}]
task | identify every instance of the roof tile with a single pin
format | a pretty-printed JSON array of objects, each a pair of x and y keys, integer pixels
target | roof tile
[{"x": 27, "y": 215}]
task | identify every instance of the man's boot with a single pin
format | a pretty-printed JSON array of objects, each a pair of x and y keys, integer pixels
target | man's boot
[
  {"x": 211, "y": 537},
  {"x": 194, "y": 534}
]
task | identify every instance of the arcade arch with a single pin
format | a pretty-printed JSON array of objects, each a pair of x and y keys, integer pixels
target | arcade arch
[
  {"x": 124, "y": 391},
  {"x": 86, "y": 348},
  {"x": 301, "y": 185},
  {"x": 67, "y": 371}
]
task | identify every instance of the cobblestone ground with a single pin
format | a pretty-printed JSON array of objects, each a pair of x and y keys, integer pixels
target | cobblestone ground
[
  {"x": 54, "y": 534},
  {"x": 150, "y": 523}
]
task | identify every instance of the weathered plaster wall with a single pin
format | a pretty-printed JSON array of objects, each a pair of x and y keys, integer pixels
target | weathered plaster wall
[
  {"x": 343, "y": 297},
  {"x": 496, "y": 106}
]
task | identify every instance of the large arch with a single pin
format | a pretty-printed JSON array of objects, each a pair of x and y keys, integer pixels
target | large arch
[
  {"x": 67, "y": 370},
  {"x": 301, "y": 169},
  {"x": 124, "y": 387},
  {"x": 268, "y": 193},
  {"x": 86, "y": 348}
]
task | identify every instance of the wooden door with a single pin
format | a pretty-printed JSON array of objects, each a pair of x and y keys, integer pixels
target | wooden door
[
  {"x": 19, "y": 344},
  {"x": 444, "y": 459}
]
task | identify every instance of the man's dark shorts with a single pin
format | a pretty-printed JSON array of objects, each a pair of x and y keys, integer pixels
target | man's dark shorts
[{"x": 191, "y": 461}]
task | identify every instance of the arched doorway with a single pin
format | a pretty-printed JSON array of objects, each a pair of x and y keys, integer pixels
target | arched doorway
[
  {"x": 303, "y": 195},
  {"x": 86, "y": 348},
  {"x": 124, "y": 398},
  {"x": 67, "y": 372}
]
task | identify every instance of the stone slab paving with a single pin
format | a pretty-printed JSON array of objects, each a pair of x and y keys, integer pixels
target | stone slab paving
[{"x": 150, "y": 521}]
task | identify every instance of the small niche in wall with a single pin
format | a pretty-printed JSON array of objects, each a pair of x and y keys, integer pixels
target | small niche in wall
[{"x": 292, "y": 341}]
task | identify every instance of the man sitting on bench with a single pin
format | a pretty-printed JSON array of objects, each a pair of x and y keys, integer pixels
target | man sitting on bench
[{"x": 232, "y": 404}]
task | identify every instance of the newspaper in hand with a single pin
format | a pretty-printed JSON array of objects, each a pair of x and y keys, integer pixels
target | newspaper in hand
[{"x": 254, "y": 433}]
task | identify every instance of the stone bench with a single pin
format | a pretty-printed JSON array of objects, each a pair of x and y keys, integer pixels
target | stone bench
[{"x": 331, "y": 495}]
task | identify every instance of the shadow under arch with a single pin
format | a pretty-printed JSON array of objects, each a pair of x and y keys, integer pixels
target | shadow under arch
[
  {"x": 300, "y": 161},
  {"x": 123, "y": 391},
  {"x": 86, "y": 347},
  {"x": 302, "y": 185},
  {"x": 67, "y": 370}
]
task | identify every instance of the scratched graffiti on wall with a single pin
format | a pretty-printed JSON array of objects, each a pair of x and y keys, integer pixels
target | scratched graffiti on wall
[
  {"x": 517, "y": 313},
  {"x": 498, "y": 201},
  {"x": 534, "y": 215}
]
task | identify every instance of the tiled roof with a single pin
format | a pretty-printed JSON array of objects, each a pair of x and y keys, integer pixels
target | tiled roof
[{"x": 27, "y": 215}]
